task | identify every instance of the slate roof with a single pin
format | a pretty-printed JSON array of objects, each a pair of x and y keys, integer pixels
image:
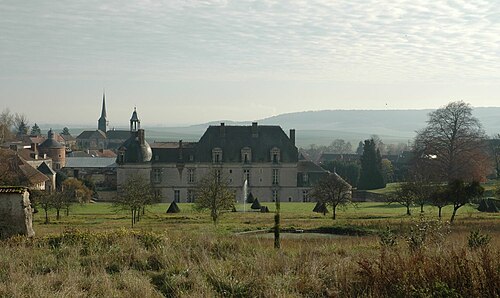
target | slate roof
[
  {"x": 45, "y": 169},
  {"x": 32, "y": 175},
  {"x": 91, "y": 134},
  {"x": 118, "y": 134},
  {"x": 90, "y": 162},
  {"x": 234, "y": 138},
  {"x": 307, "y": 166},
  {"x": 133, "y": 151}
]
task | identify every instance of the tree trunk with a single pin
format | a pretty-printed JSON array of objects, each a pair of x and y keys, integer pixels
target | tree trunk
[
  {"x": 439, "y": 213},
  {"x": 132, "y": 218},
  {"x": 421, "y": 208},
  {"x": 46, "y": 216},
  {"x": 277, "y": 220},
  {"x": 334, "y": 212},
  {"x": 408, "y": 210},
  {"x": 58, "y": 216},
  {"x": 67, "y": 210},
  {"x": 453, "y": 214}
]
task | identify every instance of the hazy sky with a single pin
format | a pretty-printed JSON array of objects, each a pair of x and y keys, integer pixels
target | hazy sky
[{"x": 196, "y": 61}]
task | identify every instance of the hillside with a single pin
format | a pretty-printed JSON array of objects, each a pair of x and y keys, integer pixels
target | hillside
[{"x": 321, "y": 127}]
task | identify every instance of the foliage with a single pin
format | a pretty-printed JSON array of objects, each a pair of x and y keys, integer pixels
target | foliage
[
  {"x": 426, "y": 232},
  {"x": 332, "y": 190},
  {"x": 405, "y": 195},
  {"x": 76, "y": 191},
  {"x": 371, "y": 167},
  {"x": 35, "y": 130},
  {"x": 452, "y": 146},
  {"x": 439, "y": 198},
  {"x": 21, "y": 124},
  {"x": 460, "y": 194},
  {"x": 388, "y": 238},
  {"x": 41, "y": 199},
  {"x": 65, "y": 131},
  {"x": 213, "y": 193},
  {"x": 340, "y": 146},
  {"x": 477, "y": 240},
  {"x": 135, "y": 195}
]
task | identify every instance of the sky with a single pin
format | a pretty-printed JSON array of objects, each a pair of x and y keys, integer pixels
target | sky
[{"x": 189, "y": 62}]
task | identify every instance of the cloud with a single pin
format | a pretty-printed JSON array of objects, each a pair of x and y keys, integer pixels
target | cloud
[{"x": 304, "y": 40}]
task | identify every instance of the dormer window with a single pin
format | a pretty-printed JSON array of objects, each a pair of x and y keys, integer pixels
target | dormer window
[
  {"x": 246, "y": 155},
  {"x": 275, "y": 155},
  {"x": 217, "y": 155}
]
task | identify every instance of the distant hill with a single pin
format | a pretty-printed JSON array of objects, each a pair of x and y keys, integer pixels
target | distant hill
[{"x": 321, "y": 127}]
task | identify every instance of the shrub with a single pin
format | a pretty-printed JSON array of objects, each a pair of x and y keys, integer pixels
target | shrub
[{"x": 478, "y": 240}]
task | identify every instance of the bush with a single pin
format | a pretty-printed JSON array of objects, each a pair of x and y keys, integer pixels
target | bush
[{"x": 478, "y": 240}]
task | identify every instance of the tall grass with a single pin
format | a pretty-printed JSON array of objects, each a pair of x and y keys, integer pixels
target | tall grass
[{"x": 126, "y": 263}]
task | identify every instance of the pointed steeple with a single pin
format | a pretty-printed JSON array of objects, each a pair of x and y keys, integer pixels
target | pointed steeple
[
  {"x": 103, "y": 112},
  {"x": 102, "y": 123}
]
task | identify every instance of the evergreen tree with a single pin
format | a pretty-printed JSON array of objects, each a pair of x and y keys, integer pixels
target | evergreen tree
[
  {"x": 65, "y": 131},
  {"x": 360, "y": 149},
  {"x": 371, "y": 176},
  {"x": 35, "y": 130}
]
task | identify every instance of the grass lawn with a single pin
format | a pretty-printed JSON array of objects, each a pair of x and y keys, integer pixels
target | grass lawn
[{"x": 105, "y": 216}]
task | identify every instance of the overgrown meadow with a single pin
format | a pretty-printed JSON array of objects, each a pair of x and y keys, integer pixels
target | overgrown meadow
[{"x": 370, "y": 250}]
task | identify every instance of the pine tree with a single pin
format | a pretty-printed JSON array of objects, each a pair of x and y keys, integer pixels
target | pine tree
[
  {"x": 35, "y": 130},
  {"x": 371, "y": 176}
]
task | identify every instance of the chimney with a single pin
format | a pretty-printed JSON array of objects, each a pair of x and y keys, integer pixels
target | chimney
[
  {"x": 140, "y": 136},
  {"x": 34, "y": 147},
  {"x": 255, "y": 130},
  {"x": 222, "y": 130},
  {"x": 180, "y": 149},
  {"x": 292, "y": 136}
]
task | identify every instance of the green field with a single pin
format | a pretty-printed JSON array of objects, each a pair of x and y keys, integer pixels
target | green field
[{"x": 94, "y": 252}]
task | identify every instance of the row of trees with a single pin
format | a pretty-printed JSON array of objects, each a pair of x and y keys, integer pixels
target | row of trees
[
  {"x": 14, "y": 125},
  {"x": 72, "y": 191}
]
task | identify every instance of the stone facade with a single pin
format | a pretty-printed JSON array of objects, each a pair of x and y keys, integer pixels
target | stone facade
[
  {"x": 262, "y": 154},
  {"x": 15, "y": 212}
]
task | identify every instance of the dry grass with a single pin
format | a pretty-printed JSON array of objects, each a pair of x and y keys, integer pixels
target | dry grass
[{"x": 125, "y": 263}]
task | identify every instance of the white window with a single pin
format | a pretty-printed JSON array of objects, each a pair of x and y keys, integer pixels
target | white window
[
  {"x": 275, "y": 195},
  {"x": 305, "y": 177},
  {"x": 276, "y": 177},
  {"x": 191, "y": 196},
  {"x": 217, "y": 155},
  {"x": 177, "y": 196},
  {"x": 246, "y": 175},
  {"x": 305, "y": 195},
  {"x": 191, "y": 176},
  {"x": 275, "y": 155},
  {"x": 157, "y": 175},
  {"x": 217, "y": 175},
  {"x": 246, "y": 155}
]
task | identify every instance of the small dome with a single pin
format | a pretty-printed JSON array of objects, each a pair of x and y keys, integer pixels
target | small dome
[
  {"x": 50, "y": 142},
  {"x": 134, "y": 151}
]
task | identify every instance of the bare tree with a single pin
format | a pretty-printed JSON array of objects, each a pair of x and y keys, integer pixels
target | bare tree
[
  {"x": 495, "y": 152},
  {"x": 453, "y": 144},
  {"x": 6, "y": 124},
  {"x": 136, "y": 193},
  {"x": 213, "y": 193},
  {"x": 334, "y": 191},
  {"x": 340, "y": 146}
]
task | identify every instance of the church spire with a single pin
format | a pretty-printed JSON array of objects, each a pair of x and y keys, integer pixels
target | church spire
[
  {"x": 103, "y": 112},
  {"x": 102, "y": 123}
]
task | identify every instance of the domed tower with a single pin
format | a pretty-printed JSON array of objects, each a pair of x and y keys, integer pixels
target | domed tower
[
  {"x": 54, "y": 150},
  {"x": 134, "y": 155}
]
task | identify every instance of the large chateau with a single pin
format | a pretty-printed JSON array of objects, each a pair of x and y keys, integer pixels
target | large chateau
[{"x": 263, "y": 155}]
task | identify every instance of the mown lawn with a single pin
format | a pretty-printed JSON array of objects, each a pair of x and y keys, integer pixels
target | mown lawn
[{"x": 105, "y": 216}]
